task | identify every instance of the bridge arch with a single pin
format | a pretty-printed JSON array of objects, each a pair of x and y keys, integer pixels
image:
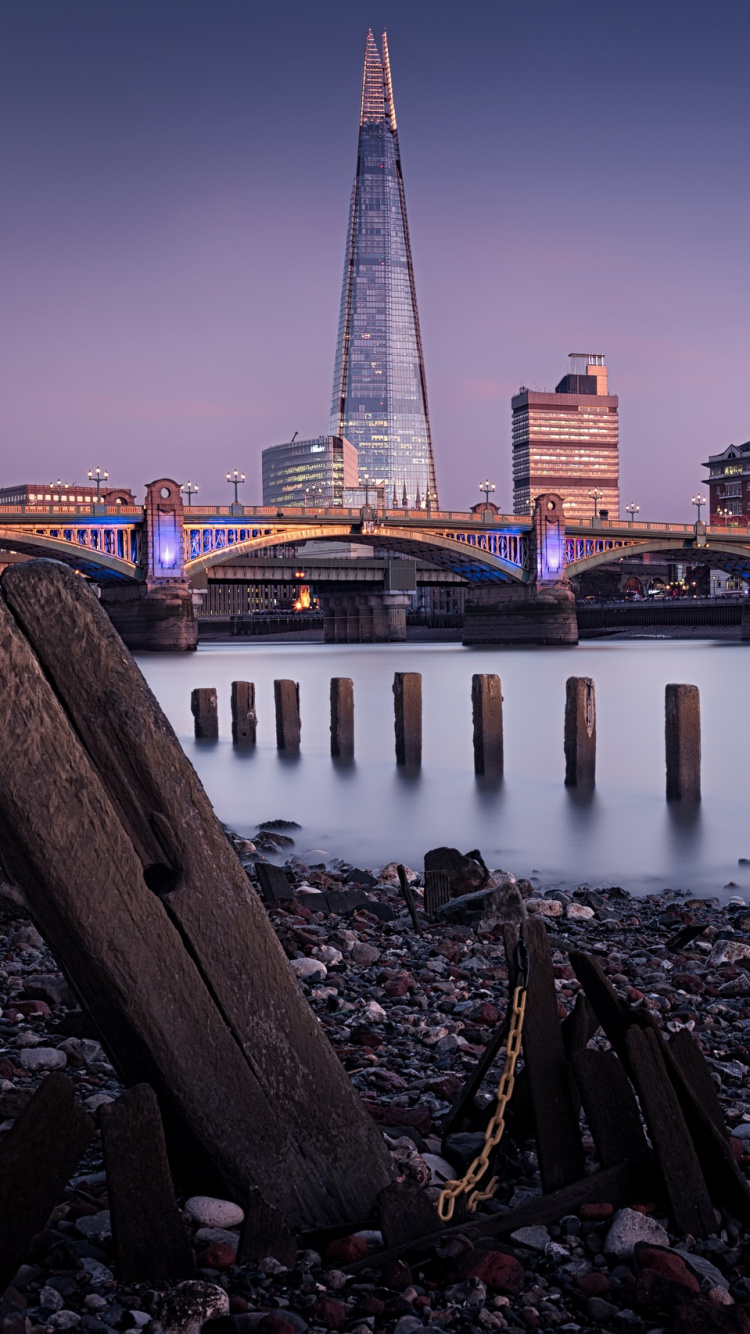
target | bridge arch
[
  {"x": 461, "y": 557},
  {"x": 720, "y": 555},
  {"x": 99, "y": 565}
]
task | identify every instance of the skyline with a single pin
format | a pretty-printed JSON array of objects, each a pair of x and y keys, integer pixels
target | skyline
[{"x": 176, "y": 194}]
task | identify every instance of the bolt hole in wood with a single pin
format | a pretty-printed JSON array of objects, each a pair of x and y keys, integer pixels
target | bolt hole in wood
[{"x": 160, "y": 879}]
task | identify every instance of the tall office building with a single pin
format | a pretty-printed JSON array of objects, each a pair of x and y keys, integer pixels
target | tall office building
[
  {"x": 379, "y": 397},
  {"x": 309, "y": 472},
  {"x": 567, "y": 441}
]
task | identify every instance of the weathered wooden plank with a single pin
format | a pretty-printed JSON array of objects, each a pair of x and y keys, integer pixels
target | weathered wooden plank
[
  {"x": 404, "y": 1212},
  {"x": 692, "y": 1063},
  {"x": 487, "y": 717},
  {"x": 464, "y": 1102},
  {"x": 618, "y": 1186},
  {"x": 688, "y": 1194},
  {"x": 274, "y": 882},
  {"x": 288, "y": 725},
  {"x": 580, "y": 732},
  {"x": 611, "y": 1012},
  {"x": 558, "y": 1135},
  {"x": 437, "y": 890},
  {"x": 38, "y": 1156},
  {"x": 610, "y": 1107},
  {"x": 264, "y": 1232},
  {"x": 313, "y": 1164},
  {"x": 205, "y": 710},
  {"x": 244, "y": 718},
  {"x": 149, "y": 1237},
  {"x": 407, "y": 704},
  {"x": 682, "y": 731},
  {"x": 342, "y": 717}
]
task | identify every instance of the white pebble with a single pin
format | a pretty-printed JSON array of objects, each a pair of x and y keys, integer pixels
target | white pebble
[
  {"x": 43, "y": 1058},
  {"x": 579, "y": 912},
  {"x": 308, "y": 967},
  {"x": 211, "y": 1212},
  {"x": 374, "y": 1013}
]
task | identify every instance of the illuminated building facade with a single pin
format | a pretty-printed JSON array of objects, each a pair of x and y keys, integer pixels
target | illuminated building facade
[
  {"x": 64, "y": 493},
  {"x": 729, "y": 485},
  {"x": 379, "y": 399},
  {"x": 568, "y": 442},
  {"x": 309, "y": 472}
]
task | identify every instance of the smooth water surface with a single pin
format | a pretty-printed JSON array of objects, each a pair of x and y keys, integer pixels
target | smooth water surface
[{"x": 371, "y": 813}]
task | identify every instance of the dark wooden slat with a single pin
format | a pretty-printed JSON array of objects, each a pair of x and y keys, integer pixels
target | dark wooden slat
[
  {"x": 610, "y": 1107},
  {"x": 404, "y": 1212},
  {"x": 618, "y": 1186},
  {"x": 437, "y": 890},
  {"x": 309, "y": 1161},
  {"x": 464, "y": 1102},
  {"x": 274, "y": 882},
  {"x": 331, "y": 1161},
  {"x": 264, "y": 1233},
  {"x": 560, "y": 1151},
  {"x": 692, "y": 1063},
  {"x": 409, "y": 899},
  {"x": 686, "y": 1187},
  {"x": 150, "y": 1240},
  {"x": 609, "y": 1009},
  {"x": 684, "y": 936},
  {"x": 38, "y": 1156},
  {"x": 244, "y": 719},
  {"x": 576, "y": 1028}
]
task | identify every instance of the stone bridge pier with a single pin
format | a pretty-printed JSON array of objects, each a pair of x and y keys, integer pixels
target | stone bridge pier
[
  {"x": 541, "y": 611},
  {"x": 157, "y": 613},
  {"x": 364, "y": 618}
]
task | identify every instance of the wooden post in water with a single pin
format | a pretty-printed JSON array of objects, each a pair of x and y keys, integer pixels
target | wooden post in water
[
  {"x": 407, "y": 697},
  {"x": 342, "y": 717},
  {"x": 580, "y": 732},
  {"x": 487, "y": 711},
  {"x": 682, "y": 717},
  {"x": 244, "y": 719},
  {"x": 206, "y": 713},
  {"x": 286, "y": 695}
]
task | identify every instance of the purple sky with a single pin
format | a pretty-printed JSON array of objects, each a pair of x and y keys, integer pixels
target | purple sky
[{"x": 176, "y": 178}]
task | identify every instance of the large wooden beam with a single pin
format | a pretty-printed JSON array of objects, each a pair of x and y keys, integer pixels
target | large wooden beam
[{"x": 138, "y": 890}]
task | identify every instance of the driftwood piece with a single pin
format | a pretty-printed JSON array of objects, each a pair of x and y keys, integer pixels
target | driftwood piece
[
  {"x": 264, "y": 1232},
  {"x": 37, "y": 1158},
  {"x": 149, "y": 1237},
  {"x": 437, "y": 890},
  {"x": 692, "y": 1063},
  {"x": 686, "y": 1187},
  {"x": 197, "y": 997},
  {"x": 618, "y": 1186},
  {"x": 558, "y": 1135},
  {"x": 409, "y": 899},
  {"x": 404, "y": 1212},
  {"x": 610, "y": 1107}
]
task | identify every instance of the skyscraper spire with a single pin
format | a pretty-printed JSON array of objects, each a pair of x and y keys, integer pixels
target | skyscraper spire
[{"x": 379, "y": 397}]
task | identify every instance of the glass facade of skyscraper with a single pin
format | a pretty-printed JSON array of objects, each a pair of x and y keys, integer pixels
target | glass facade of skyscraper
[
  {"x": 568, "y": 442},
  {"x": 309, "y": 472},
  {"x": 379, "y": 398}
]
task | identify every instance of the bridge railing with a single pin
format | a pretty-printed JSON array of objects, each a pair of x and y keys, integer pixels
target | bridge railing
[{"x": 88, "y": 511}]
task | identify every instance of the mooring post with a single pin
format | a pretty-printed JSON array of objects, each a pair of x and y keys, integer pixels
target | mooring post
[
  {"x": 342, "y": 717},
  {"x": 682, "y": 716},
  {"x": 205, "y": 711},
  {"x": 244, "y": 719},
  {"x": 286, "y": 695},
  {"x": 407, "y": 697},
  {"x": 580, "y": 732},
  {"x": 487, "y": 711}
]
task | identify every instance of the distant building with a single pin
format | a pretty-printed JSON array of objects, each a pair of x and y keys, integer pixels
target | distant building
[
  {"x": 379, "y": 399},
  {"x": 567, "y": 442},
  {"x": 64, "y": 493},
  {"x": 357, "y": 496},
  {"x": 729, "y": 484},
  {"x": 309, "y": 472}
]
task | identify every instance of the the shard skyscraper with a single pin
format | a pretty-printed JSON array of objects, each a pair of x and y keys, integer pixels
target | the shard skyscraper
[{"x": 379, "y": 396}]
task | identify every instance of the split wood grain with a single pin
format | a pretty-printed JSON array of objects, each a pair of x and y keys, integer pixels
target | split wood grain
[
  {"x": 38, "y": 1156},
  {"x": 150, "y": 1241},
  {"x": 610, "y": 1107},
  {"x": 309, "y": 1162},
  {"x": 264, "y": 1232}
]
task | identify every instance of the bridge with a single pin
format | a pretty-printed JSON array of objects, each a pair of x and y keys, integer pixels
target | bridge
[{"x": 146, "y": 559}]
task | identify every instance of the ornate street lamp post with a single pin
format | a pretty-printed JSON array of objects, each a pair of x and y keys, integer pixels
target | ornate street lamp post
[
  {"x": 632, "y": 510},
  {"x": 699, "y": 501},
  {"x": 98, "y": 476},
  {"x": 189, "y": 490},
  {"x": 236, "y": 479},
  {"x": 488, "y": 487},
  {"x": 596, "y": 495}
]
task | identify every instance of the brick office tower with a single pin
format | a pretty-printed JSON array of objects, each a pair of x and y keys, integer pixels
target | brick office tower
[
  {"x": 729, "y": 485},
  {"x": 567, "y": 442}
]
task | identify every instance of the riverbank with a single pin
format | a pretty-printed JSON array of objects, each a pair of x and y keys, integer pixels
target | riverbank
[
  {"x": 422, "y": 634},
  {"x": 409, "y": 1016}
]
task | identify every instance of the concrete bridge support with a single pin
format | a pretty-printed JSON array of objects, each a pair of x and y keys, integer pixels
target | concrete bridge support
[
  {"x": 364, "y": 618},
  {"x": 542, "y": 611}
]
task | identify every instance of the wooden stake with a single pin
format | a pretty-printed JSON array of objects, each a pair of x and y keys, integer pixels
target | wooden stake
[
  {"x": 487, "y": 711},
  {"x": 286, "y": 695},
  {"x": 580, "y": 732},
  {"x": 205, "y": 711},
  {"x": 407, "y": 697},
  {"x": 342, "y": 717},
  {"x": 409, "y": 899},
  {"x": 682, "y": 710},
  {"x": 244, "y": 719}
]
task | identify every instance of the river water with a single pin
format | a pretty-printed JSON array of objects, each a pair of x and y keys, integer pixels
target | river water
[{"x": 370, "y": 813}]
